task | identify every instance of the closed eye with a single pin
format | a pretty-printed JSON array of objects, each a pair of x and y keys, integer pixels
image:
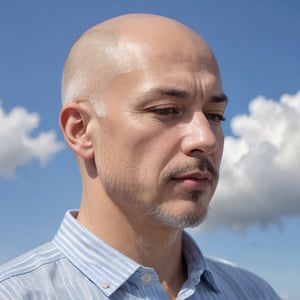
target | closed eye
[
  {"x": 165, "y": 111},
  {"x": 216, "y": 117}
]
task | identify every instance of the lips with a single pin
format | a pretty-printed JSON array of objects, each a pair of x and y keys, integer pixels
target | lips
[{"x": 198, "y": 181}]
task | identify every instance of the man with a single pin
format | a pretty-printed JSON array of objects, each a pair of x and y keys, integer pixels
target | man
[{"x": 142, "y": 111}]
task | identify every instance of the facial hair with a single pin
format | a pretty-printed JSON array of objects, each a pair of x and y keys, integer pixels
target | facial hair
[{"x": 197, "y": 216}]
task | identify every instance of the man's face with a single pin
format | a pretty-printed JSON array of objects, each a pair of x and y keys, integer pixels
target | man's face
[{"x": 159, "y": 146}]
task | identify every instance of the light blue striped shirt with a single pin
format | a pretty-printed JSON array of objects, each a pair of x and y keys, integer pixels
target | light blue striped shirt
[{"x": 77, "y": 265}]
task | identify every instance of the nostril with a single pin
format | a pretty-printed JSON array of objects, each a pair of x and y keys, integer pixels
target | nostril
[{"x": 196, "y": 150}]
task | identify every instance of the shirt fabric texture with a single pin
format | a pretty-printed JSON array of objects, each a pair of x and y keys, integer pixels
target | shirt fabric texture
[{"x": 78, "y": 265}]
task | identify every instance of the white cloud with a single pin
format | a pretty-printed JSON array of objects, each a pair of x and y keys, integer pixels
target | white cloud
[
  {"x": 288, "y": 296},
  {"x": 18, "y": 147},
  {"x": 285, "y": 297},
  {"x": 260, "y": 175}
]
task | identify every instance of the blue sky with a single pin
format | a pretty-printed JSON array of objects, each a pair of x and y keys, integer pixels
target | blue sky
[{"x": 254, "y": 219}]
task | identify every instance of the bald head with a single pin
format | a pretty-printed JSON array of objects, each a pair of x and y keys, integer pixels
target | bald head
[
  {"x": 121, "y": 44},
  {"x": 157, "y": 107}
]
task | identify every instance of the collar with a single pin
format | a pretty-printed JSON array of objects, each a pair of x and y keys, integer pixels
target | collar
[
  {"x": 197, "y": 266},
  {"x": 109, "y": 269},
  {"x": 103, "y": 265}
]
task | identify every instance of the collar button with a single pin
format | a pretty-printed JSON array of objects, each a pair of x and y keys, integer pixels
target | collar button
[
  {"x": 105, "y": 285},
  {"x": 146, "y": 278}
]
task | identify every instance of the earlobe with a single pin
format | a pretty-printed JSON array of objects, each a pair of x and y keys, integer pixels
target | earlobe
[{"x": 73, "y": 123}]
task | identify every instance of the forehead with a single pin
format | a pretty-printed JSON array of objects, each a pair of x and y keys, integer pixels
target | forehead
[
  {"x": 167, "y": 46},
  {"x": 182, "y": 78},
  {"x": 156, "y": 71},
  {"x": 152, "y": 83},
  {"x": 164, "y": 59}
]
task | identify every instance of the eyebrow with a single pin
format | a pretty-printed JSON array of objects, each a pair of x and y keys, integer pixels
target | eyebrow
[
  {"x": 183, "y": 94},
  {"x": 158, "y": 92},
  {"x": 219, "y": 98}
]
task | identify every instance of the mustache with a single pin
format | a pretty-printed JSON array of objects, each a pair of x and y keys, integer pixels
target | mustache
[{"x": 203, "y": 165}]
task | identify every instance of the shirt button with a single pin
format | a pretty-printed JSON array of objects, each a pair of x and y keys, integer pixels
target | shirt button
[
  {"x": 146, "y": 278},
  {"x": 105, "y": 285}
]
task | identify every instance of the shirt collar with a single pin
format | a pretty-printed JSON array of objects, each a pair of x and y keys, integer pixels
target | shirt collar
[
  {"x": 196, "y": 263},
  {"x": 103, "y": 265},
  {"x": 107, "y": 267}
]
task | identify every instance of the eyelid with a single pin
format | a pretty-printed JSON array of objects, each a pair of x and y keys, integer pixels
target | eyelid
[
  {"x": 217, "y": 117},
  {"x": 215, "y": 112},
  {"x": 165, "y": 108}
]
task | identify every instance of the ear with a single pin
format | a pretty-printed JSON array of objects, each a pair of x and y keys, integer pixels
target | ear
[{"x": 73, "y": 123}]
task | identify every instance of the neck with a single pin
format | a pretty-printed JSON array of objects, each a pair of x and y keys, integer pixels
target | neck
[{"x": 149, "y": 244}]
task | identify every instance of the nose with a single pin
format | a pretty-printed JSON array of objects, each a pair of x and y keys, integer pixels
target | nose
[{"x": 201, "y": 138}]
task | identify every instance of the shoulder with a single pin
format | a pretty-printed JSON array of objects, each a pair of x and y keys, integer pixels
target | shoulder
[
  {"x": 239, "y": 281},
  {"x": 28, "y": 270},
  {"x": 30, "y": 261}
]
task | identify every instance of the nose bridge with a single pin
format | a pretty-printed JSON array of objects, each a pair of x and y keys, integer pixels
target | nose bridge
[{"x": 200, "y": 135}]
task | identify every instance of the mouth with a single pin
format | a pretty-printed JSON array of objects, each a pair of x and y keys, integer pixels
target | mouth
[{"x": 196, "y": 181}]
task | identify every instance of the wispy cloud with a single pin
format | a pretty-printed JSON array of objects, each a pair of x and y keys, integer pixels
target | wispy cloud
[
  {"x": 18, "y": 147},
  {"x": 288, "y": 296},
  {"x": 260, "y": 176}
]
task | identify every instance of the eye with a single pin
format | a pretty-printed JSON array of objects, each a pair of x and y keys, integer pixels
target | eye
[
  {"x": 165, "y": 111},
  {"x": 218, "y": 118}
]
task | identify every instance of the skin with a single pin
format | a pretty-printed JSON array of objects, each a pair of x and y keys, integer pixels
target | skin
[{"x": 145, "y": 126}]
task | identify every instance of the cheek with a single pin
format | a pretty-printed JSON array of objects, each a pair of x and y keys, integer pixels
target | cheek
[
  {"x": 149, "y": 154},
  {"x": 121, "y": 151},
  {"x": 136, "y": 145},
  {"x": 219, "y": 152}
]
